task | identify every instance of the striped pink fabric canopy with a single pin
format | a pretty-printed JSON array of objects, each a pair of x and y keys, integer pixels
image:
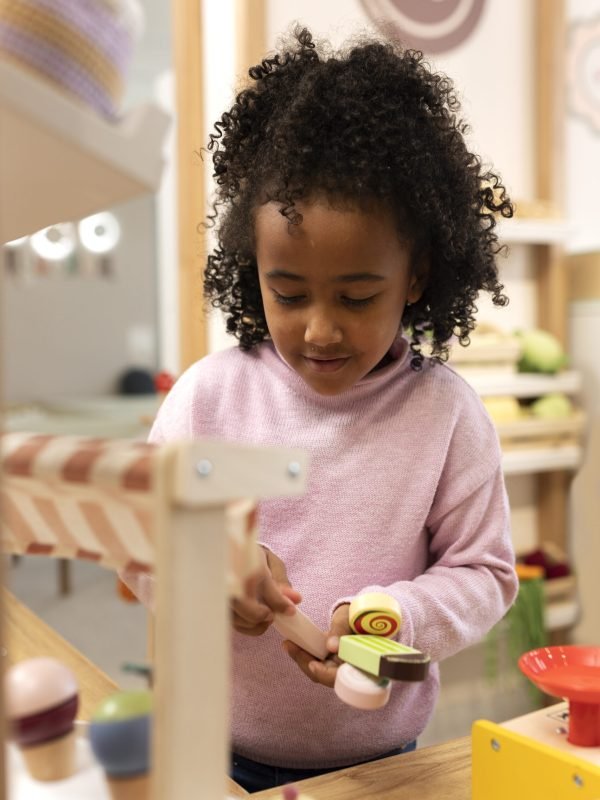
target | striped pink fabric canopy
[{"x": 94, "y": 499}]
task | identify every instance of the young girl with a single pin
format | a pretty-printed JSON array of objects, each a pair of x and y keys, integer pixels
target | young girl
[{"x": 355, "y": 231}]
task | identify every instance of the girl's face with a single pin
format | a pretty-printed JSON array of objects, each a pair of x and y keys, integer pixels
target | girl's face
[{"x": 334, "y": 290}]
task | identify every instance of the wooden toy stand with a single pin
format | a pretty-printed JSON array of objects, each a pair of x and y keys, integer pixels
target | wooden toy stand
[{"x": 134, "y": 506}]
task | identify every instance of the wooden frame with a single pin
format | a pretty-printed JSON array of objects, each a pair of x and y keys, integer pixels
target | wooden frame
[
  {"x": 250, "y": 35},
  {"x": 191, "y": 204},
  {"x": 183, "y": 492},
  {"x": 552, "y": 277},
  {"x": 191, "y": 587},
  {"x": 190, "y": 169}
]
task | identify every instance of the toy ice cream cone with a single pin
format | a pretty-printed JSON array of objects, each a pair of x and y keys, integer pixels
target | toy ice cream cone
[
  {"x": 51, "y": 761},
  {"x": 135, "y": 788},
  {"x": 120, "y": 732},
  {"x": 41, "y": 702}
]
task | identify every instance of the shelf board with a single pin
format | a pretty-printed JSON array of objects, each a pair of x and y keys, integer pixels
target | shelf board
[
  {"x": 534, "y": 231},
  {"x": 61, "y": 161},
  {"x": 524, "y": 384},
  {"x": 562, "y": 614},
  {"x": 541, "y": 459},
  {"x": 532, "y": 428}
]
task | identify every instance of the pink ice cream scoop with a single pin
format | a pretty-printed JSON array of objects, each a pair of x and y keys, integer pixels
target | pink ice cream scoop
[{"x": 42, "y": 698}]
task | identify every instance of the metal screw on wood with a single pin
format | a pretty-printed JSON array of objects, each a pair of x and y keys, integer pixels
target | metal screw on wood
[
  {"x": 204, "y": 468},
  {"x": 495, "y": 745},
  {"x": 578, "y": 780}
]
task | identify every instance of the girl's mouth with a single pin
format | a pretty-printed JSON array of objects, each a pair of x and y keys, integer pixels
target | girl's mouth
[{"x": 325, "y": 364}]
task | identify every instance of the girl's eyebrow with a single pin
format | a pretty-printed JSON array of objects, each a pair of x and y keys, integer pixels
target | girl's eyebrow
[{"x": 352, "y": 277}]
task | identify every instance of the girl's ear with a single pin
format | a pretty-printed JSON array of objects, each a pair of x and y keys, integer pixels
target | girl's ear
[{"x": 418, "y": 279}]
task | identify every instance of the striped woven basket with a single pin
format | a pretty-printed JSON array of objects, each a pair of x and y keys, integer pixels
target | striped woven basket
[{"x": 83, "y": 46}]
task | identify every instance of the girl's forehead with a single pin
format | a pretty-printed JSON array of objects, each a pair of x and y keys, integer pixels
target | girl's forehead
[
  {"x": 326, "y": 235},
  {"x": 322, "y": 221}
]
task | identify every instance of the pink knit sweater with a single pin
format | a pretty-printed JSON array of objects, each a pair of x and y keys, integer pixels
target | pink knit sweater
[{"x": 405, "y": 495}]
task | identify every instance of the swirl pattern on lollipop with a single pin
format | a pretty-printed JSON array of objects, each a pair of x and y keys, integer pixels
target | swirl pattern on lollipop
[
  {"x": 430, "y": 25},
  {"x": 375, "y": 613},
  {"x": 378, "y": 623}
]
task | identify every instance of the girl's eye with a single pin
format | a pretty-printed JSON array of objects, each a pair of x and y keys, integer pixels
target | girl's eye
[
  {"x": 353, "y": 302},
  {"x": 287, "y": 300}
]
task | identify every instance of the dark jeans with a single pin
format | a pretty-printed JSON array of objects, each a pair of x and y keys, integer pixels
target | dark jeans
[{"x": 255, "y": 777}]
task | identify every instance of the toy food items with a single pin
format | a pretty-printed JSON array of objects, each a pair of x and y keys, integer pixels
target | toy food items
[
  {"x": 120, "y": 732},
  {"x": 163, "y": 383},
  {"x": 384, "y": 658},
  {"x": 360, "y": 690},
  {"x": 375, "y": 613},
  {"x": 540, "y": 352},
  {"x": 504, "y": 408},
  {"x": 298, "y": 628},
  {"x": 552, "y": 406},
  {"x": 42, "y": 698}
]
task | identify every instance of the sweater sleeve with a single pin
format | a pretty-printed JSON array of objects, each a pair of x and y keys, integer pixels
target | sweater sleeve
[
  {"x": 470, "y": 581},
  {"x": 173, "y": 421}
]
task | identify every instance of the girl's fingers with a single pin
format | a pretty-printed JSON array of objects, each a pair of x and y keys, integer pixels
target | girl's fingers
[
  {"x": 322, "y": 672},
  {"x": 252, "y": 612},
  {"x": 273, "y": 596},
  {"x": 250, "y": 630}
]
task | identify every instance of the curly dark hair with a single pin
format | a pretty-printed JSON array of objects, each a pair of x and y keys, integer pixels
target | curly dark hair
[{"x": 367, "y": 126}]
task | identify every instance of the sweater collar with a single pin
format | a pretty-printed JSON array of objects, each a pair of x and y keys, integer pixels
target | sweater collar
[{"x": 374, "y": 381}]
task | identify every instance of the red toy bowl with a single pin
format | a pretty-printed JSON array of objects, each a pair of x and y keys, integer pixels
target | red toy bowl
[{"x": 571, "y": 672}]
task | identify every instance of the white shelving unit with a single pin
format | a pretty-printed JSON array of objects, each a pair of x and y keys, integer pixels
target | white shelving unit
[
  {"x": 534, "y": 231},
  {"x": 525, "y": 384},
  {"x": 561, "y": 615},
  {"x": 551, "y": 456},
  {"x": 61, "y": 161},
  {"x": 541, "y": 459}
]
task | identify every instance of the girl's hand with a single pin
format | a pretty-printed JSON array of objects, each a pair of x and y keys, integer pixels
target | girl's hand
[
  {"x": 323, "y": 672},
  {"x": 268, "y": 591}
]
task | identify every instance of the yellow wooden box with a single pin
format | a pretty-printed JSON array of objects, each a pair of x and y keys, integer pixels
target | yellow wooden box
[{"x": 508, "y": 765}]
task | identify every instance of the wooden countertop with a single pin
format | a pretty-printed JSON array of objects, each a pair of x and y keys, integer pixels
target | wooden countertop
[
  {"x": 441, "y": 772},
  {"x": 27, "y": 636}
]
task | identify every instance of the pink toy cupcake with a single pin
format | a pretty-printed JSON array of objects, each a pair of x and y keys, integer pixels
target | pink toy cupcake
[{"x": 42, "y": 698}]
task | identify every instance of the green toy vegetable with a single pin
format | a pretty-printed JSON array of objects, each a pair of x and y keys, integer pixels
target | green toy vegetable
[
  {"x": 552, "y": 406},
  {"x": 540, "y": 352}
]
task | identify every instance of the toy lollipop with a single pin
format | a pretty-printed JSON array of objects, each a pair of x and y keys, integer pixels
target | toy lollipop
[
  {"x": 375, "y": 613},
  {"x": 120, "y": 732},
  {"x": 41, "y": 703}
]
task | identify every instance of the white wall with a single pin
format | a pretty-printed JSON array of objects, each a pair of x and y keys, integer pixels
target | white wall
[
  {"x": 65, "y": 335},
  {"x": 582, "y": 141},
  {"x": 495, "y": 84},
  {"x": 582, "y": 138},
  {"x": 73, "y": 336}
]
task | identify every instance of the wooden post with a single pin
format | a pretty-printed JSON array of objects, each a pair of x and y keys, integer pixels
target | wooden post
[
  {"x": 552, "y": 283},
  {"x": 192, "y": 658},
  {"x": 549, "y": 76},
  {"x": 250, "y": 36},
  {"x": 191, "y": 212},
  {"x": 194, "y": 482}
]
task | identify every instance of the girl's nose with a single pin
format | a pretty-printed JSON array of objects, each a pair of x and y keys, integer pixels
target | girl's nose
[{"x": 322, "y": 330}]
